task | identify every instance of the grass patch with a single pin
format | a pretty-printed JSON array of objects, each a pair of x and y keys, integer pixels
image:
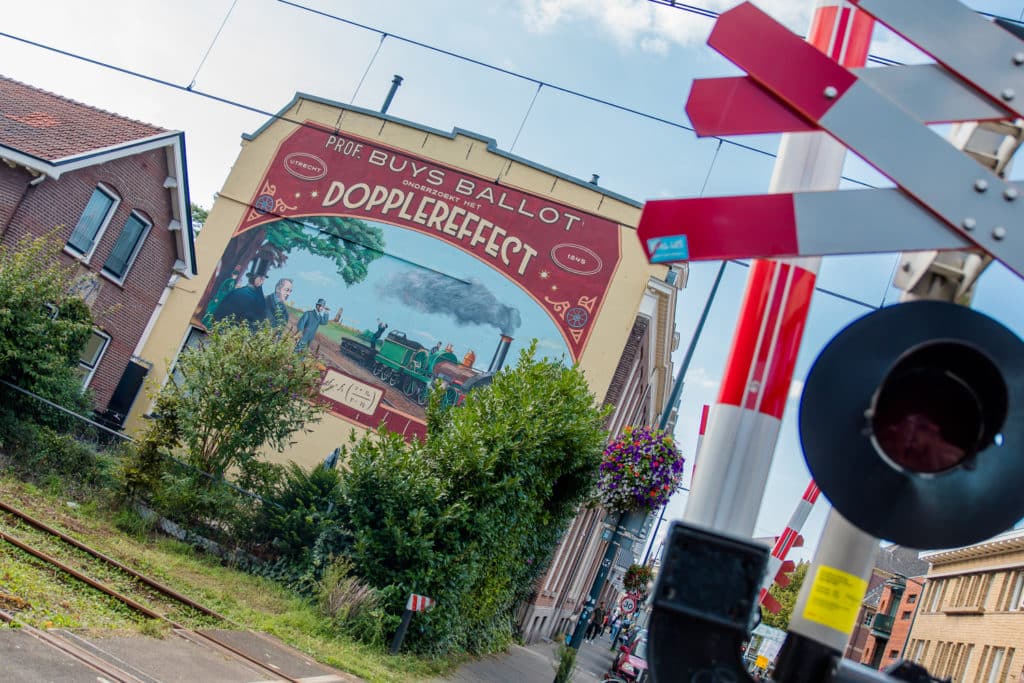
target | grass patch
[{"x": 252, "y": 602}]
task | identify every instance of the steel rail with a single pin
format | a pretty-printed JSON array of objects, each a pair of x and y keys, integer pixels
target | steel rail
[
  {"x": 155, "y": 585},
  {"x": 179, "y": 630},
  {"x": 108, "y": 670}
]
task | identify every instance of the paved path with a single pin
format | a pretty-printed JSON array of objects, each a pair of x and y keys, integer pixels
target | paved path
[{"x": 535, "y": 664}]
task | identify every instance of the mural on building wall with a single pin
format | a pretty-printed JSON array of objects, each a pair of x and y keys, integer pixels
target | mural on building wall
[{"x": 398, "y": 272}]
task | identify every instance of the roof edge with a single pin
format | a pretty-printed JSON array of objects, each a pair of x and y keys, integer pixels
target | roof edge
[{"x": 492, "y": 145}]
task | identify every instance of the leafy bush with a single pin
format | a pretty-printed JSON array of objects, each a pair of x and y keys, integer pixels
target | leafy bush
[
  {"x": 304, "y": 506},
  {"x": 45, "y": 326},
  {"x": 566, "y": 663},
  {"x": 41, "y": 454},
  {"x": 471, "y": 516},
  {"x": 242, "y": 390}
]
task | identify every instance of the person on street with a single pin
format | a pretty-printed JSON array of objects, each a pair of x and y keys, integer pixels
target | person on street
[
  {"x": 596, "y": 619},
  {"x": 616, "y": 625}
]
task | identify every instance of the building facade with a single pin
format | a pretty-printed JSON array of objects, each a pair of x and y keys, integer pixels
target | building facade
[
  {"x": 114, "y": 192},
  {"x": 436, "y": 256},
  {"x": 969, "y": 624},
  {"x": 641, "y": 385},
  {"x": 893, "y": 564}
]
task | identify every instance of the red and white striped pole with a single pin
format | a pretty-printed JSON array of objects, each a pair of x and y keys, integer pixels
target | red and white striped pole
[
  {"x": 744, "y": 423},
  {"x": 789, "y": 537}
]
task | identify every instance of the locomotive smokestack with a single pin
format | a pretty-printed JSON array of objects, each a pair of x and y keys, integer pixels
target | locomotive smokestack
[{"x": 500, "y": 353}]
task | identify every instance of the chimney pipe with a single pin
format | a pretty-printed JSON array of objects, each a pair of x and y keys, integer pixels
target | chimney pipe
[
  {"x": 395, "y": 82},
  {"x": 499, "y": 354}
]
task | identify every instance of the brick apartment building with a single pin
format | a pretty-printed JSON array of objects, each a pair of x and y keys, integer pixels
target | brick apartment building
[
  {"x": 877, "y": 616},
  {"x": 639, "y": 390},
  {"x": 969, "y": 624},
  {"x": 117, "y": 192}
]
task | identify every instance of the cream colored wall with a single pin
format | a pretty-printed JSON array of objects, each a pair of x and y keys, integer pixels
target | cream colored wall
[
  {"x": 990, "y": 627},
  {"x": 462, "y": 152}
]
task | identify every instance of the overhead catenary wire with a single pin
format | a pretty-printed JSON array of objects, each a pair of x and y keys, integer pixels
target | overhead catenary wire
[{"x": 190, "y": 89}]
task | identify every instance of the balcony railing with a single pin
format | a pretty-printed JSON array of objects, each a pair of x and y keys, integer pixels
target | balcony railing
[{"x": 881, "y": 625}]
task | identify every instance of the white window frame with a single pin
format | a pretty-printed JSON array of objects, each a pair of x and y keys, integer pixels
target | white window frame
[
  {"x": 99, "y": 358},
  {"x": 86, "y": 257},
  {"x": 135, "y": 252}
]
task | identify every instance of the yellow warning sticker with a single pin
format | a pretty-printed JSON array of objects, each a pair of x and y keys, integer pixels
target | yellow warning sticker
[{"x": 835, "y": 599}]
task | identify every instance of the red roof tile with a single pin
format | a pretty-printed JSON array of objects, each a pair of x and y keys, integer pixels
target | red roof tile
[{"x": 51, "y": 127}]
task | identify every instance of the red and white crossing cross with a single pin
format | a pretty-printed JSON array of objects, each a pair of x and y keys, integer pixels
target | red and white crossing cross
[
  {"x": 419, "y": 603},
  {"x": 790, "y": 538},
  {"x": 948, "y": 187}
]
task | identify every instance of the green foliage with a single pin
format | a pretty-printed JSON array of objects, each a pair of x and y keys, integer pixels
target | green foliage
[
  {"x": 566, "y": 663},
  {"x": 786, "y": 597},
  {"x": 199, "y": 216},
  {"x": 349, "y": 242},
  {"x": 54, "y": 460},
  {"x": 39, "y": 351},
  {"x": 471, "y": 516},
  {"x": 352, "y": 605},
  {"x": 305, "y": 506},
  {"x": 637, "y": 578},
  {"x": 243, "y": 389}
]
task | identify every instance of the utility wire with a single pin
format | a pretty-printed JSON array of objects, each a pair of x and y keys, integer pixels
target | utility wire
[
  {"x": 212, "y": 43},
  {"x": 539, "y": 82},
  {"x": 276, "y": 116}
]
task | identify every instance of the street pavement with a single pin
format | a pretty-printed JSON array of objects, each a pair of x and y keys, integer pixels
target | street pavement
[{"x": 536, "y": 664}]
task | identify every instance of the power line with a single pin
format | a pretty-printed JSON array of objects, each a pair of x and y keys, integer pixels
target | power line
[{"x": 277, "y": 116}]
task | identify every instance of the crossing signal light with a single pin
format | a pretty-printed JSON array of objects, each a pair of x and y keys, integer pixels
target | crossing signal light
[{"x": 912, "y": 424}]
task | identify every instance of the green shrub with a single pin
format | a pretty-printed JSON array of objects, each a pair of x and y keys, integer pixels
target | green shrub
[{"x": 566, "y": 663}]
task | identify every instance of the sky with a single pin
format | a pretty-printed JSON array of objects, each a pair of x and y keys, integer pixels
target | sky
[{"x": 181, "y": 64}]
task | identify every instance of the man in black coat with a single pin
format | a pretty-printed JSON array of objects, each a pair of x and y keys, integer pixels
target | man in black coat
[{"x": 245, "y": 304}]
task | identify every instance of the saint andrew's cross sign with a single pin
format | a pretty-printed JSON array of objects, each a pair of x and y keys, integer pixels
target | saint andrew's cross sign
[{"x": 944, "y": 198}]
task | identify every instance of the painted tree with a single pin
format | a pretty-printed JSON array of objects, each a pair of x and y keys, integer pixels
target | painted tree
[{"x": 351, "y": 244}]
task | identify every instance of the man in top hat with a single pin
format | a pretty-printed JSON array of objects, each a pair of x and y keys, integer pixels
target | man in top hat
[
  {"x": 309, "y": 322},
  {"x": 246, "y": 304}
]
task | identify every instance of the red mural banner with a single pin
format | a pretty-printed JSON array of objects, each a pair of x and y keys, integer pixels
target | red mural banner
[{"x": 560, "y": 257}]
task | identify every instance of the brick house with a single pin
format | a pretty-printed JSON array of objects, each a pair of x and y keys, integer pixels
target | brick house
[{"x": 117, "y": 192}]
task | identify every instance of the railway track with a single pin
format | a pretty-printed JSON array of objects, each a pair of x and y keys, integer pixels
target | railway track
[{"x": 138, "y": 592}]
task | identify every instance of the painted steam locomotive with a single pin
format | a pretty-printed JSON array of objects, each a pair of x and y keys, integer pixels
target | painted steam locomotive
[{"x": 406, "y": 364}]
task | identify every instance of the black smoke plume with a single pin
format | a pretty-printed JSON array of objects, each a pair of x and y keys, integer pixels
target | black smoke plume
[{"x": 468, "y": 303}]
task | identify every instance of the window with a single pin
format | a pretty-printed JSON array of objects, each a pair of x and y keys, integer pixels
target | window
[
  {"x": 93, "y": 221},
  {"x": 911, "y": 599},
  {"x": 92, "y": 353},
  {"x": 193, "y": 339},
  {"x": 127, "y": 247},
  {"x": 893, "y": 654},
  {"x": 868, "y": 616},
  {"x": 905, "y": 615}
]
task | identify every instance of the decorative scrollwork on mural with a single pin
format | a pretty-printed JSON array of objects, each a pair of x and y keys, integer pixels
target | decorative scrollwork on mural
[{"x": 559, "y": 307}]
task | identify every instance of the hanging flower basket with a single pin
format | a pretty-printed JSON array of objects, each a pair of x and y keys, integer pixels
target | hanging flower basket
[
  {"x": 640, "y": 470},
  {"x": 637, "y": 578}
]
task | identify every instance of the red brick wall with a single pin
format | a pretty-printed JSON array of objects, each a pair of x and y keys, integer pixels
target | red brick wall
[
  {"x": 13, "y": 185},
  {"x": 138, "y": 180}
]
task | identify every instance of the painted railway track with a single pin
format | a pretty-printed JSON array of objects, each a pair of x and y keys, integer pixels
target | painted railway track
[{"x": 164, "y": 594}]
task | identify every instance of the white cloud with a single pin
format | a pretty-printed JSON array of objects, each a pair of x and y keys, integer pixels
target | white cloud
[
  {"x": 316, "y": 277},
  {"x": 648, "y": 26}
]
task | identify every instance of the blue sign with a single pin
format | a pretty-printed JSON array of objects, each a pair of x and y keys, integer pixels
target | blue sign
[{"x": 668, "y": 249}]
